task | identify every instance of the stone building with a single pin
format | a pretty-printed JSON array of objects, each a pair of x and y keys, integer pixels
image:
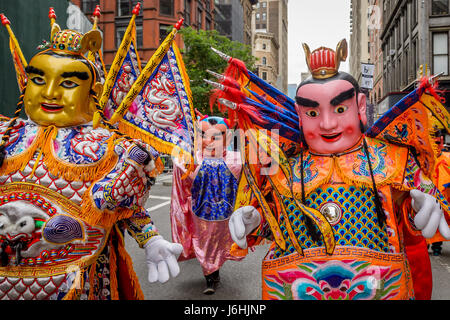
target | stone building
[{"x": 270, "y": 29}]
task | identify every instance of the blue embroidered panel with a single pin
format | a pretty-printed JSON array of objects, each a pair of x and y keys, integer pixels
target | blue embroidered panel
[{"x": 214, "y": 191}]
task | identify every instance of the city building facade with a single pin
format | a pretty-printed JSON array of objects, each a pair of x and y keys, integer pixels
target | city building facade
[
  {"x": 152, "y": 24},
  {"x": 247, "y": 7},
  {"x": 403, "y": 39},
  {"x": 415, "y": 41},
  {"x": 270, "y": 44},
  {"x": 359, "y": 37},
  {"x": 233, "y": 19},
  {"x": 266, "y": 49},
  {"x": 374, "y": 25}
]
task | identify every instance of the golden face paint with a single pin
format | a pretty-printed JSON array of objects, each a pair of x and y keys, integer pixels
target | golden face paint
[{"x": 58, "y": 91}]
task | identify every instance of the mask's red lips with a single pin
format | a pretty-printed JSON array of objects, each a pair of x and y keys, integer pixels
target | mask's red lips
[
  {"x": 331, "y": 137},
  {"x": 50, "y": 107}
]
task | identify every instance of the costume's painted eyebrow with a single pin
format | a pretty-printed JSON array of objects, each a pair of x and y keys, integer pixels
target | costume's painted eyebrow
[
  {"x": 341, "y": 97},
  {"x": 79, "y": 75},
  {"x": 306, "y": 102},
  {"x": 31, "y": 69}
]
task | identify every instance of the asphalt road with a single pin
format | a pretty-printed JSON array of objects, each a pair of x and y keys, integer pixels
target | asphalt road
[{"x": 239, "y": 280}]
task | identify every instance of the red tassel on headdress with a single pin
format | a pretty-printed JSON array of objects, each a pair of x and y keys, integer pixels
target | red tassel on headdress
[
  {"x": 216, "y": 94},
  {"x": 230, "y": 93},
  {"x": 236, "y": 68},
  {"x": 427, "y": 83}
]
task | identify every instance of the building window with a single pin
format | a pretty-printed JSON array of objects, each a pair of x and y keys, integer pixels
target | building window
[
  {"x": 187, "y": 12},
  {"x": 264, "y": 4},
  {"x": 163, "y": 31},
  {"x": 406, "y": 70},
  {"x": 264, "y": 75},
  {"x": 439, "y": 7},
  {"x": 207, "y": 24},
  {"x": 120, "y": 31},
  {"x": 264, "y": 60},
  {"x": 414, "y": 8},
  {"x": 199, "y": 18},
  {"x": 257, "y": 16},
  {"x": 126, "y": 7},
  {"x": 440, "y": 53},
  {"x": 264, "y": 16},
  {"x": 264, "y": 46},
  {"x": 88, "y": 6},
  {"x": 405, "y": 25},
  {"x": 166, "y": 7}
]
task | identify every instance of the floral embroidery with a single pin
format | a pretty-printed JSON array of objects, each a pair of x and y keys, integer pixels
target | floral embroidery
[{"x": 335, "y": 280}]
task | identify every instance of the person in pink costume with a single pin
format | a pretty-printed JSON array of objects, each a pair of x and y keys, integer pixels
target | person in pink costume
[{"x": 203, "y": 202}]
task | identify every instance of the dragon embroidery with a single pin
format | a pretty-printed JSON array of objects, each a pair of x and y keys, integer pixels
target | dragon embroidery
[
  {"x": 164, "y": 110},
  {"x": 377, "y": 158}
]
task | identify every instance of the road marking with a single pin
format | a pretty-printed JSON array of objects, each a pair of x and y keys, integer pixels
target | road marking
[
  {"x": 159, "y": 197},
  {"x": 158, "y": 206}
]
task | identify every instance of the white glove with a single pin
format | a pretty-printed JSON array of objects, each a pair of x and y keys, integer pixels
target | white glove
[
  {"x": 161, "y": 256},
  {"x": 429, "y": 215},
  {"x": 242, "y": 222}
]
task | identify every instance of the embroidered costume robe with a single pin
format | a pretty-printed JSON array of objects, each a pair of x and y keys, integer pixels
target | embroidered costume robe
[
  {"x": 200, "y": 209},
  {"x": 63, "y": 214},
  {"x": 368, "y": 260}
]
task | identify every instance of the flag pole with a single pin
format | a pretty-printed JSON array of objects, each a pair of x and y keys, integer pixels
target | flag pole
[
  {"x": 116, "y": 64},
  {"x": 5, "y": 22},
  {"x": 146, "y": 73}
]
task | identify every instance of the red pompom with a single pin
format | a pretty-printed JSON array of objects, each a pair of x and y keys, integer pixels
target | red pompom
[
  {"x": 51, "y": 13},
  {"x": 97, "y": 11},
  {"x": 179, "y": 24},
  {"x": 136, "y": 9},
  {"x": 430, "y": 85},
  {"x": 4, "y": 19}
]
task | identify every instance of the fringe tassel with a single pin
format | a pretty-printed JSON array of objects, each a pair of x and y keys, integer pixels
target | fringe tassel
[
  {"x": 73, "y": 172},
  {"x": 15, "y": 163},
  {"x": 159, "y": 168},
  {"x": 105, "y": 218},
  {"x": 114, "y": 287},
  {"x": 160, "y": 145},
  {"x": 77, "y": 287},
  {"x": 360, "y": 184},
  {"x": 91, "y": 280},
  {"x": 138, "y": 294}
]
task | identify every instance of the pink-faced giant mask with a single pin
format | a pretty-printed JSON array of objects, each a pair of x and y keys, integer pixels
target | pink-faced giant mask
[
  {"x": 330, "y": 107},
  {"x": 330, "y": 115}
]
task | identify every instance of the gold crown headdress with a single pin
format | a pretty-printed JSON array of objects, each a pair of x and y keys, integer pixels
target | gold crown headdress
[
  {"x": 71, "y": 41},
  {"x": 324, "y": 62}
]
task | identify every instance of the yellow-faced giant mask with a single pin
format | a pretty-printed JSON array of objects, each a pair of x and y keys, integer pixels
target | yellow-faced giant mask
[{"x": 62, "y": 84}]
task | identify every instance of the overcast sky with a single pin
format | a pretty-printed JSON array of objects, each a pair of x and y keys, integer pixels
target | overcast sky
[{"x": 317, "y": 23}]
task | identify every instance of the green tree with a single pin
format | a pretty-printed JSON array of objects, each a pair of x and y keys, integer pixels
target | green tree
[{"x": 198, "y": 57}]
